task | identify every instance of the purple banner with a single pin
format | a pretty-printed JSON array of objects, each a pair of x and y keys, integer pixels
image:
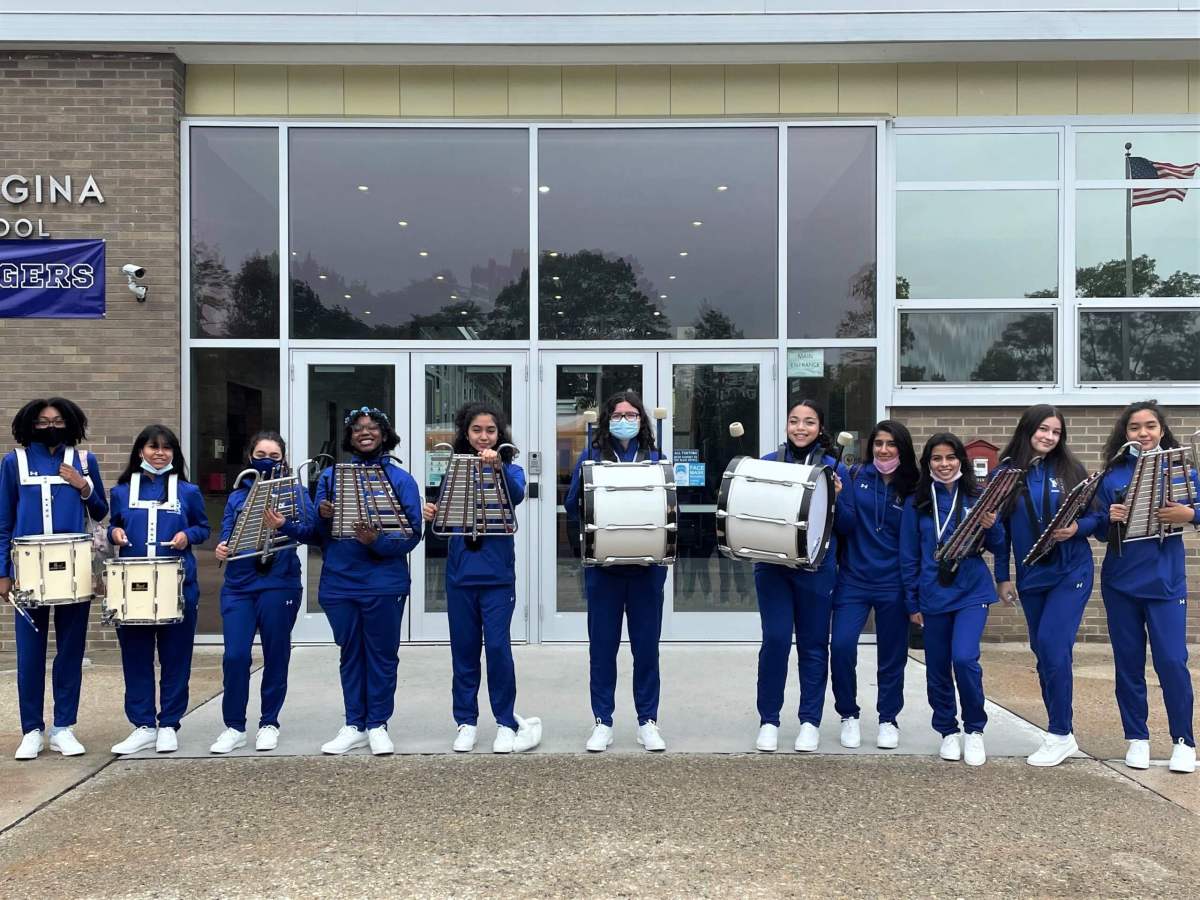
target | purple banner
[{"x": 51, "y": 279}]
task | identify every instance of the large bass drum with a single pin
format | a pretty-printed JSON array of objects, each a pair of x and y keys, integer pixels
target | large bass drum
[
  {"x": 775, "y": 512},
  {"x": 630, "y": 514},
  {"x": 52, "y": 569}
]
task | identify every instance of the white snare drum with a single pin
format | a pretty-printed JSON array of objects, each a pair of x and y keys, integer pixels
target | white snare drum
[
  {"x": 143, "y": 590},
  {"x": 630, "y": 514},
  {"x": 52, "y": 569},
  {"x": 775, "y": 512}
]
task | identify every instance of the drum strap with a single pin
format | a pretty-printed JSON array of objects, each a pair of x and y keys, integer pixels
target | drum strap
[
  {"x": 171, "y": 504},
  {"x": 46, "y": 482}
]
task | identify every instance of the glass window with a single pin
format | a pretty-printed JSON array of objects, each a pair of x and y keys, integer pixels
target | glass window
[
  {"x": 658, "y": 233},
  {"x": 235, "y": 393},
  {"x": 977, "y": 157},
  {"x": 234, "y": 232},
  {"x": 992, "y": 346},
  {"x": 409, "y": 233},
  {"x": 1164, "y": 258},
  {"x": 843, "y": 382},
  {"x": 1155, "y": 345},
  {"x": 831, "y": 232},
  {"x": 1102, "y": 155}
]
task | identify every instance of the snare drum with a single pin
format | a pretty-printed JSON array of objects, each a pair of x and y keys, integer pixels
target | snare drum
[
  {"x": 52, "y": 569},
  {"x": 143, "y": 590},
  {"x": 630, "y": 514},
  {"x": 775, "y": 512}
]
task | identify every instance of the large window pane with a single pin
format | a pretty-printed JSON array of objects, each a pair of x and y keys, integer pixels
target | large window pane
[
  {"x": 657, "y": 233},
  {"x": 994, "y": 346},
  {"x": 1102, "y": 155},
  {"x": 1165, "y": 253},
  {"x": 234, "y": 232},
  {"x": 977, "y": 157},
  {"x": 976, "y": 244},
  {"x": 843, "y": 382},
  {"x": 1139, "y": 346},
  {"x": 409, "y": 233},
  {"x": 831, "y": 232}
]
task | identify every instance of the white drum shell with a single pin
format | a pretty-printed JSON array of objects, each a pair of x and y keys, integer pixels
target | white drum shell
[
  {"x": 772, "y": 490},
  {"x": 633, "y": 514},
  {"x": 52, "y": 569},
  {"x": 143, "y": 590}
]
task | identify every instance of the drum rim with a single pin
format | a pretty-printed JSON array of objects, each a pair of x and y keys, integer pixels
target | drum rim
[{"x": 62, "y": 537}]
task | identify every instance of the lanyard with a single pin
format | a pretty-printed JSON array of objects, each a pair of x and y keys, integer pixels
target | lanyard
[
  {"x": 1036, "y": 516},
  {"x": 939, "y": 528}
]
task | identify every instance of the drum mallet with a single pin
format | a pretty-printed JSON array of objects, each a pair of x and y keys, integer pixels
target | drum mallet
[
  {"x": 660, "y": 415},
  {"x": 736, "y": 429},
  {"x": 589, "y": 416},
  {"x": 844, "y": 440}
]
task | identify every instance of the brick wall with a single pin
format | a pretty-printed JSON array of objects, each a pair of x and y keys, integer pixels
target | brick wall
[
  {"x": 1088, "y": 428},
  {"x": 115, "y": 117}
]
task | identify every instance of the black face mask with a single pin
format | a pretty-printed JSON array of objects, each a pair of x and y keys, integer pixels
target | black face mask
[{"x": 51, "y": 437}]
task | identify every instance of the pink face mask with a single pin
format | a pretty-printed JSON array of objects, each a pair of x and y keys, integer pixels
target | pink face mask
[{"x": 887, "y": 467}]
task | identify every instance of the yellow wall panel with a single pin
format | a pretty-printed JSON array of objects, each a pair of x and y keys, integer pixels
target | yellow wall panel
[
  {"x": 315, "y": 91},
  {"x": 808, "y": 88},
  {"x": 751, "y": 89},
  {"x": 927, "y": 89},
  {"x": 426, "y": 91},
  {"x": 1194, "y": 87},
  {"x": 480, "y": 91},
  {"x": 589, "y": 90},
  {"x": 1160, "y": 86},
  {"x": 372, "y": 90},
  {"x": 987, "y": 89},
  {"x": 697, "y": 90},
  {"x": 535, "y": 91},
  {"x": 1046, "y": 89},
  {"x": 868, "y": 88},
  {"x": 209, "y": 91},
  {"x": 643, "y": 90},
  {"x": 1105, "y": 88},
  {"x": 260, "y": 91}
]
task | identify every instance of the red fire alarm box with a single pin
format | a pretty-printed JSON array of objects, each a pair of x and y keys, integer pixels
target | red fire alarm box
[{"x": 984, "y": 457}]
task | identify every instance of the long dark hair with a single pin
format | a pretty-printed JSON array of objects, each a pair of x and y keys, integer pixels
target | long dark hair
[
  {"x": 389, "y": 440},
  {"x": 602, "y": 438},
  {"x": 74, "y": 420},
  {"x": 1060, "y": 461},
  {"x": 905, "y": 479},
  {"x": 159, "y": 434},
  {"x": 824, "y": 439},
  {"x": 1117, "y": 439},
  {"x": 967, "y": 484},
  {"x": 467, "y": 414}
]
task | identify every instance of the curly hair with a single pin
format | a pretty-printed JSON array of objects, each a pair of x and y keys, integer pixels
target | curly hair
[{"x": 74, "y": 420}]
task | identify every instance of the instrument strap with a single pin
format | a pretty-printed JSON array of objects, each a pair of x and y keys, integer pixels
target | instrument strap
[
  {"x": 46, "y": 482},
  {"x": 171, "y": 504},
  {"x": 955, "y": 508}
]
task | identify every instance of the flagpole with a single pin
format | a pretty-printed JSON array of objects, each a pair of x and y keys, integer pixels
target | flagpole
[{"x": 1128, "y": 228}]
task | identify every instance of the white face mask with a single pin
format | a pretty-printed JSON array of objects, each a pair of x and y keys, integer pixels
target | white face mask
[
  {"x": 953, "y": 478},
  {"x": 146, "y": 467}
]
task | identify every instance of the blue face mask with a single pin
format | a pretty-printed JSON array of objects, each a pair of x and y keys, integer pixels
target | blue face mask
[
  {"x": 623, "y": 430},
  {"x": 264, "y": 467},
  {"x": 146, "y": 467}
]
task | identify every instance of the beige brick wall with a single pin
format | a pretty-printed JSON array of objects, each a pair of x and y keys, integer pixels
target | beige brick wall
[
  {"x": 116, "y": 117},
  {"x": 1088, "y": 428}
]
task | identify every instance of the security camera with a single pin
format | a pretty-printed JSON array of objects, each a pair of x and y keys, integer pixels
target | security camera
[{"x": 133, "y": 272}]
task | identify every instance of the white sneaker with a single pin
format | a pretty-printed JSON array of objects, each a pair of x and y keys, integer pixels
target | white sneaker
[
  {"x": 65, "y": 742},
  {"x": 464, "y": 741},
  {"x": 851, "y": 735},
  {"x": 951, "y": 749},
  {"x": 228, "y": 740},
  {"x": 267, "y": 738},
  {"x": 348, "y": 738},
  {"x": 142, "y": 738},
  {"x": 649, "y": 737},
  {"x": 166, "y": 741},
  {"x": 768, "y": 738},
  {"x": 809, "y": 738},
  {"x": 973, "y": 752},
  {"x": 505, "y": 738},
  {"x": 1183, "y": 758},
  {"x": 1138, "y": 755},
  {"x": 889, "y": 736},
  {"x": 30, "y": 746},
  {"x": 601, "y": 738},
  {"x": 1055, "y": 748},
  {"x": 529, "y": 734},
  {"x": 380, "y": 741}
]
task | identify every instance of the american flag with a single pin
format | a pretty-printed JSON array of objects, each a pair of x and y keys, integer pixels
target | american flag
[{"x": 1142, "y": 168}]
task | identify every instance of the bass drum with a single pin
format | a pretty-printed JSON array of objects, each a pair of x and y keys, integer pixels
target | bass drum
[{"x": 630, "y": 514}]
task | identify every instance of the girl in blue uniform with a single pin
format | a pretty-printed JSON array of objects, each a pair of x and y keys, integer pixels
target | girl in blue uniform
[
  {"x": 634, "y": 593},
  {"x": 364, "y": 585},
  {"x": 48, "y": 487},
  {"x": 157, "y": 512},
  {"x": 263, "y": 595},
  {"x": 868, "y": 520},
  {"x": 1144, "y": 587},
  {"x": 481, "y": 596},
  {"x": 951, "y": 607},
  {"x": 797, "y": 601},
  {"x": 1055, "y": 591}
]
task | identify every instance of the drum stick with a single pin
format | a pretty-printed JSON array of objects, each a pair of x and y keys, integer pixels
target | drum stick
[
  {"x": 24, "y": 613},
  {"x": 660, "y": 415},
  {"x": 589, "y": 416}
]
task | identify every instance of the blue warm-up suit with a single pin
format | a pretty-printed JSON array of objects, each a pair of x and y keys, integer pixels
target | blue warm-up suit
[
  {"x": 363, "y": 590},
  {"x": 152, "y": 509},
  {"x": 34, "y": 499},
  {"x": 868, "y": 521},
  {"x": 954, "y": 614},
  {"x": 796, "y": 601},
  {"x": 1053, "y": 593},
  {"x": 1144, "y": 587},
  {"x": 634, "y": 593}
]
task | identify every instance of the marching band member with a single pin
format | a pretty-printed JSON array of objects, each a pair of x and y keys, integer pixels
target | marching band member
[
  {"x": 794, "y": 601},
  {"x": 156, "y": 512},
  {"x": 623, "y": 433},
  {"x": 261, "y": 594},
  {"x": 1054, "y": 592},
  {"x": 1144, "y": 587},
  {"x": 869, "y": 511},
  {"x": 480, "y": 596},
  {"x": 364, "y": 585},
  {"x": 951, "y": 607},
  {"x": 48, "y": 487}
]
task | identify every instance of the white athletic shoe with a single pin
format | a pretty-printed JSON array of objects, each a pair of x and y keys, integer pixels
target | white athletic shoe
[
  {"x": 601, "y": 738},
  {"x": 973, "y": 752},
  {"x": 1138, "y": 755},
  {"x": 951, "y": 749},
  {"x": 1183, "y": 758},
  {"x": 267, "y": 738},
  {"x": 464, "y": 741},
  {"x": 808, "y": 739},
  {"x": 529, "y": 734},
  {"x": 768, "y": 738},
  {"x": 380, "y": 741},
  {"x": 142, "y": 738},
  {"x": 505, "y": 738},
  {"x": 166, "y": 741},
  {"x": 348, "y": 738},
  {"x": 228, "y": 740},
  {"x": 649, "y": 737},
  {"x": 851, "y": 735},
  {"x": 1055, "y": 748},
  {"x": 64, "y": 741},
  {"x": 30, "y": 746},
  {"x": 889, "y": 736}
]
